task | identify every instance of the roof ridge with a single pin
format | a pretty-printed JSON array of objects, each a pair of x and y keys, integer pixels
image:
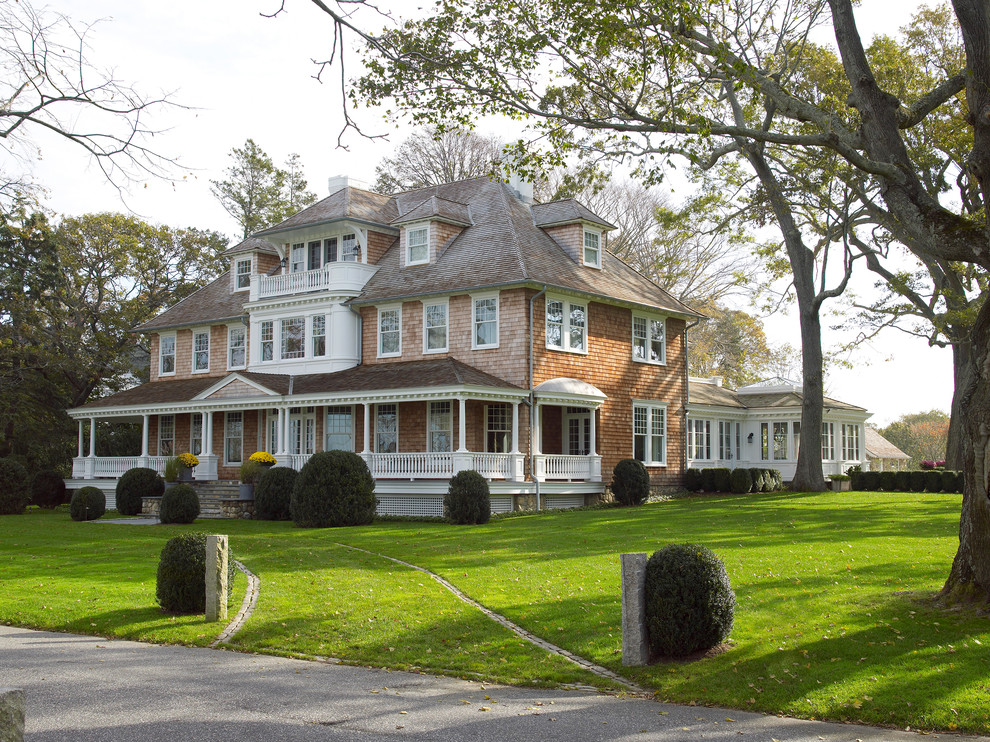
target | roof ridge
[{"x": 502, "y": 191}]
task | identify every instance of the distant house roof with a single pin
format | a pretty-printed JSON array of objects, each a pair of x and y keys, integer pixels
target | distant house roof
[
  {"x": 878, "y": 447},
  {"x": 565, "y": 211},
  {"x": 437, "y": 208},
  {"x": 769, "y": 394},
  {"x": 211, "y": 304}
]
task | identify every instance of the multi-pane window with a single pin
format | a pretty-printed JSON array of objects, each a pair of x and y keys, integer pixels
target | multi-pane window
[
  {"x": 236, "y": 347},
  {"x": 166, "y": 355},
  {"x": 302, "y": 430},
  {"x": 485, "y": 323},
  {"x": 166, "y": 435},
  {"x": 765, "y": 441},
  {"x": 293, "y": 337},
  {"x": 417, "y": 245},
  {"x": 201, "y": 351},
  {"x": 435, "y": 322},
  {"x": 779, "y": 441},
  {"x": 699, "y": 439},
  {"x": 242, "y": 272},
  {"x": 567, "y": 325},
  {"x": 351, "y": 252},
  {"x": 592, "y": 248},
  {"x": 389, "y": 331},
  {"x": 313, "y": 255},
  {"x": 650, "y": 434},
  {"x": 828, "y": 441},
  {"x": 273, "y": 430},
  {"x": 268, "y": 340},
  {"x": 440, "y": 424},
  {"x": 648, "y": 340},
  {"x": 728, "y": 444},
  {"x": 796, "y": 432},
  {"x": 330, "y": 250},
  {"x": 196, "y": 435},
  {"x": 339, "y": 429},
  {"x": 233, "y": 433},
  {"x": 850, "y": 442},
  {"x": 386, "y": 428},
  {"x": 498, "y": 428},
  {"x": 297, "y": 260},
  {"x": 319, "y": 335}
]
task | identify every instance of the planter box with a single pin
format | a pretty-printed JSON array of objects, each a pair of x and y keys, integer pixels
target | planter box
[
  {"x": 840, "y": 485},
  {"x": 246, "y": 491}
]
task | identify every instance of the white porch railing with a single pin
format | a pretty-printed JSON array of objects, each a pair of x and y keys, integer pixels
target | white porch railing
[
  {"x": 345, "y": 276},
  {"x": 579, "y": 468},
  {"x": 492, "y": 465},
  {"x": 113, "y": 467},
  {"x": 410, "y": 465}
]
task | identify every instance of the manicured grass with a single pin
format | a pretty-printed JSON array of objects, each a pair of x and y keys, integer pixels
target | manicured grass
[{"x": 833, "y": 619}]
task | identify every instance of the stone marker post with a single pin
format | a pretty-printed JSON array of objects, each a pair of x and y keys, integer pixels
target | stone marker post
[
  {"x": 11, "y": 715},
  {"x": 217, "y": 554},
  {"x": 635, "y": 645}
]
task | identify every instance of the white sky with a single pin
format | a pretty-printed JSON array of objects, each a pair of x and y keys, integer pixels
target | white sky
[{"x": 243, "y": 75}]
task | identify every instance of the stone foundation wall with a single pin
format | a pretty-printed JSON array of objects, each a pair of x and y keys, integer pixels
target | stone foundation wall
[{"x": 237, "y": 509}]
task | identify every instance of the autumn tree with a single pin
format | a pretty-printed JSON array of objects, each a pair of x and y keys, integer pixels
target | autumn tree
[{"x": 921, "y": 435}]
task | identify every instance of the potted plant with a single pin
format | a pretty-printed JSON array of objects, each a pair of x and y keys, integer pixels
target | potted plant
[
  {"x": 840, "y": 482},
  {"x": 264, "y": 458},
  {"x": 172, "y": 469},
  {"x": 188, "y": 461},
  {"x": 250, "y": 471}
]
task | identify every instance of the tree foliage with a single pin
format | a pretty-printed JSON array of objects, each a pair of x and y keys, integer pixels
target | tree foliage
[
  {"x": 733, "y": 345},
  {"x": 921, "y": 435},
  {"x": 432, "y": 157}
]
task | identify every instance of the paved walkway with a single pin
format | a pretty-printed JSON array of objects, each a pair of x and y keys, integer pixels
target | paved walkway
[{"x": 86, "y": 689}]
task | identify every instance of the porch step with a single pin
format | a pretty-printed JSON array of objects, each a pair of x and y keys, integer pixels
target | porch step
[{"x": 210, "y": 495}]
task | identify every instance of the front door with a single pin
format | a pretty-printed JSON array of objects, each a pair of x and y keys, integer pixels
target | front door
[{"x": 577, "y": 431}]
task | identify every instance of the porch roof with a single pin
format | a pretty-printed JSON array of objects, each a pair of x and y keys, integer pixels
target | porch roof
[{"x": 405, "y": 375}]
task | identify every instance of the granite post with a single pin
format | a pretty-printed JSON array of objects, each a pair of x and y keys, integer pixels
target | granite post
[
  {"x": 635, "y": 645},
  {"x": 217, "y": 555},
  {"x": 11, "y": 715}
]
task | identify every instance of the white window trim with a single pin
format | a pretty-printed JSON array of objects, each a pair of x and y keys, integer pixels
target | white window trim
[
  {"x": 649, "y": 339},
  {"x": 209, "y": 341},
  {"x": 171, "y": 419},
  {"x": 475, "y": 298},
  {"x": 378, "y": 330},
  {"x": 175, "y": 346},
  {"x": 598, "y": 233},
  {"x": 565, "y": 326},
  {"x": 237, "y": 274},
  {"x": 306, "y": 325},
  {"x": 326, "y": 419},
  {"x": 651, "y": 406},
  {"x": 445, "y": 303},
  {"x": 449, "y": 430},
  {"x": 243, "y": 329},
  {"x": 262, "y": 341},
  {"x": 376, "y": 439},
  {"x": 227, "y": 436},
  {"x": 409, "y": 229},
  {"x": 706, "y": 430},
  {"x": 311, "y": 335}
]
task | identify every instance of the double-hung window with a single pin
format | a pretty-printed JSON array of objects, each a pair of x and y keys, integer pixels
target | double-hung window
[
  {"x": 242, "y": 273},
  {"x": 649, "y": 334},
  {"x": 351, "y": 252},
  {"x": 417, "y": 244},
  {"x": 780, "y": 441},
  {"x": 435, "y": 328},
  {"x": 166, "y": 435},
  {"x": 699, "y": 439},
  {"x": 268, "y": 340},
  {"x": 484, "y": 322},
  {"x": 592, "y": 252},
  {"x": 293, "y": 337},
  {"x": 201, "y": 351},
  {"x": 386, "y": 428},
  {"x": 650, "y": 433},
  {"x": 440, "y": 424},
  {"x": 319, "y": 335},
  {"x": 339, "y": 428},
  {"x": 297, "y": 258},
  {"x": 498, "y": 428},
  {"x": 850, "y": 442},
  {"x": 389, "y": 331},
  {"x": 828, "y": 441},
  {"x": 727, "y": 443},
  {"x": 166, "y": 355},
  {"x": 236, "y": 347},
  {"x": 233, "y": 433},
  {"x": 567, "y": 325}
]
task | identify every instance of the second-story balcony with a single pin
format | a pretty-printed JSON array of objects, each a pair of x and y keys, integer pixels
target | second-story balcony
[{"x": 339, "y": 277}]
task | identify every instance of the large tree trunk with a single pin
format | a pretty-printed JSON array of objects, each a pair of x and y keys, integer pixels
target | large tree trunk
[
  {"x": 808, "y": 476},
  {"x": 954, "y": 455}
]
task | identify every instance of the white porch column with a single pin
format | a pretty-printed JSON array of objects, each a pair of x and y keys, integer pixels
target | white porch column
[
  {"x": 208, "y": 433},
  {"x": 280, "y": 427},
  {"x": 80, "y": 448},
  {"x": 515, "y": 427},
  {"x": 538, "y": 429},
  {"x": 461, "y": 425},
  {"x": 593, "y": 442},
  {"x": 92, "y": 437},
  {"x": 145, "y": 430},
  {"x": 367, "y": 429}
]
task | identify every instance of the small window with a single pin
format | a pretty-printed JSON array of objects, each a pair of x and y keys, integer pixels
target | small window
[
  {"x": 351, "y": 252},
  {"x": 390, "y": 332},
  {"x": 780, "y": 441},
  {"x": 417, "y": 245},
  {"x": 592, "y": 248},
  {"x": 297, "y": 259},
  {"x": 293, "y": 337},
  {"x": 233, "y": 437},
  {"x": 313, "y": 255},
  {"x": 166, "y": 355},
  {"x": 435, "y": 328},
  {"x": 268, "y": 340},
  {"x": 699, "y": 440},
  {"x": 828, "y": 441},
  {"x": 166, "y": 435},
  {"x": 196, "y": 435},
  {"x": 339, "y": 429},
  {"x": 236, "y": 347},
  {"x": 440, "y": 426},
  {"x": 242, "y": 271},
  {"x": 567, "y": 325},
  {"x": 498, "y": 428},
  {"x": 330, "y": 250},
  {"x": 649, "y": 334},
  {"x": 201, "y": 351},
  {"x": 386, "y": 428},
  {"x": 485, "y": 323},
  {"x": 319, "y": 335},
  {"x": 650, "y": 434}
]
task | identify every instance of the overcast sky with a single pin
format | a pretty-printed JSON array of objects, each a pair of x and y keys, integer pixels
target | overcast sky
[{"x": 242, "y": 75}]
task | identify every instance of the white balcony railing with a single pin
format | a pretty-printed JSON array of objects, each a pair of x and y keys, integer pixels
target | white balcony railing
[
  {"x": 492, "y": 465},
  {"x": 576, "y": 468},
  {"x": 410, "y": 465},
  {"x": 344, "y": 277}
]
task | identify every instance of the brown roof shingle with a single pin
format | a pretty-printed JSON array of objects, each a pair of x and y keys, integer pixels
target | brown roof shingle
[{"x": 213, "y": 303}]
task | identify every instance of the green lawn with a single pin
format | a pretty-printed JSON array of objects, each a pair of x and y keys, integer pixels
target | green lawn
[{"x": 833, "y": 618}]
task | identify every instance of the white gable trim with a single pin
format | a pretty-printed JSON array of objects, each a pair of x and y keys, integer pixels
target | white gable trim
[{"x": 230, "y": 378}]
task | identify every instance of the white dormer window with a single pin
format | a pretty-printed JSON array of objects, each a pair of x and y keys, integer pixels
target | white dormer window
[
  {"x": 417, "y": 244},
  {"x": 242, "y": 272},
  {"x": 592, "y": 253}
]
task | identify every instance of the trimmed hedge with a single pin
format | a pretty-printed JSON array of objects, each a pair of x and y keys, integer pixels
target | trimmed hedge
[
  {"x": 708, "y": 480},
  {"x": 273, "y": 493},
  {"x": 88, "y": 503},
  {"x": 903, "y": 483},
  {"x": 888, "y": 481},
  {"x": 133, "y": 485},
  {"x": 468, "y": 501},
  {"x": 180, "y": 504},
  {"x": 871, "y": 481},
  {"x": 933, "y": 481},
  {"x": 692, "y": 480},
  {"x": 740, "y": 481},
  {"x": 180, "y": 585},
  {"x": 722, "y": 479},
  {"x": 689, "y": 601},
  {"x": 918, "y": 481},
  {"x": 630, "y": 482},
  {"x": 47, "y": 489},
  {"x": 15, "y": 491},
  {"x": 334, "y": 488}
]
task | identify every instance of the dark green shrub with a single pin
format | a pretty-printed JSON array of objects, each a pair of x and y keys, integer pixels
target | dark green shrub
[
  {"x": 180, "y": 504},
  {"x": 903, "y": 483},
  {"x": 467, "y": 500},
  {"x": 856, "y": 483},
  {"x": 273, "y": 493},
  {"x": 948, "y": 481},
  {"x": 775, "y": 479},
  {"x": 722, "y": 479},
  {"x": 692, "y": 480},
  {"x": 960, "y": 482},
  {"x": 708, "y": 480},
  {"x": 871, "y": 481},
  {"x": 334, "y": 488},
  {"x": 888, "y": 481},
  {"x": 133, "y": 485},
  {"x": 689, "y": 601},
  {"x": 15, "y": 492},
  {"x": 181, "y": 583},
  {"x": 47, "y": 489},
  {"x": 759, "y": 482},
  {"x": 918, "y": 481},
  {"x": 740, "y": 481},
  {"x": 89, "y": 503},
  {"x": 630, "y": 482},
  {"x": 933, "y": 480}
]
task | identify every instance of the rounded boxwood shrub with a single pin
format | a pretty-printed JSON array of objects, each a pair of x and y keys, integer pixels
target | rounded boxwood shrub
[
  {"x": 630, "y": 482},
  {"x": 692, "y": 480},
  {"x": 689, "y": 601},
  {"x": 903, "y": 481},
  {"x": 775, "y": 480},
  {"x": 708, "y": 480},
  {"x": 334, "y": 488},
  {"x": 933, "y": 481},
  {"x": 273, "y": 493},
  {"x": 888, "y": 481},
  {"x": 133, "y": 485},
  {"x": 468, "y": 500},
  {"x": 88, "y": 503},
  {"x": 47, "y": 489},
  {"x": 180, "y": 586},
  {"x": 722, "y": 479},
  {"x": 15, "y": 492},
  {"x": 180, "y": 504},
  {"x": 759, "y": 482},
  {"x": 741, "y": 482},
  {"x": 918, "y": 481}
]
